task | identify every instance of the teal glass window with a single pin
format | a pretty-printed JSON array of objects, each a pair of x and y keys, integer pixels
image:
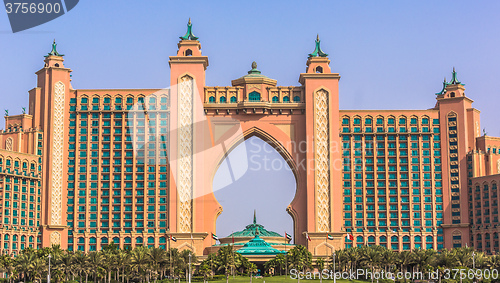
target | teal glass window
[{"x": 254, "y": 96}]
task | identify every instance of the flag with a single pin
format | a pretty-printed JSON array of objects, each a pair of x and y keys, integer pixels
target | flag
[
  {"x": 215, "y": 237},
  {"x": 173, "y": 238},
  {"x": 330, "y": 237},
  {"x": 308, "y": 238},
  {"x": 350, "y": 237},
  {"x": 288, "y": 236}
]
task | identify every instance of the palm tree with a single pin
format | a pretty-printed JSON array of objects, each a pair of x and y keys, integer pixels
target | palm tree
[
  {"x": 122, "y": 259},
  {"x": 320, "y": 265},
  {"x": 139, "y": 261},
  {"x": 371, "y": 256},
  {"x": 251, "y": 269},
  {"x": 204, "y": 270},
  {"x": 280, "y": 261},
  {"x": 300, "y": 258},
  {"x": 95, "y": 261},
  {"x": 158, "y": 258},
  {"x": 225, "y": 260}
]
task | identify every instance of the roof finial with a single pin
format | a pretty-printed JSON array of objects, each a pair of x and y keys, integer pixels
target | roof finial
[
  {"x": 254, "y": 215},
  {"x": 445, "y": 84},
  {"x": 254, "y": 69},
  {"x": 54, "y": 52},
  {"x": 454, "y": 79},
  {"x": 189, "y": 34},
  {"x": 317, "y": 50}
]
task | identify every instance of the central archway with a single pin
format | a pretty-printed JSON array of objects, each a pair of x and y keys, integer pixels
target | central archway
[{"x": 268, "y": 185}]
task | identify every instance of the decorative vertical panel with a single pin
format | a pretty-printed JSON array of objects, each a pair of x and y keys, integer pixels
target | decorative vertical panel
[
  {"x": 498, "y": 166},
  {"x": 57, "y": 154},
  {"x": 322, "y": 160},
  {"x": 185, "y": 147},
  {"x": 55, "y": 238},
  {"x": 9, "y": 144}
]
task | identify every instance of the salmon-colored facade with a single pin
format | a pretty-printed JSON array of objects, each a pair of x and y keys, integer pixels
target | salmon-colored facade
[{"x": 89, "y": 167}]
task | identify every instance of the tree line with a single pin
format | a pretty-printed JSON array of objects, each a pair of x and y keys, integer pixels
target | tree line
[{"x": 144, "y": 264}]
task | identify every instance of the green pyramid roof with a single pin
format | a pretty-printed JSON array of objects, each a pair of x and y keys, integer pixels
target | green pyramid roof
[
  {"x": 251, "y": 231},
  {"x": 258, "y": 246}
]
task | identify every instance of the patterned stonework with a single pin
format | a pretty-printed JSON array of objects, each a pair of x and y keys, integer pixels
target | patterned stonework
[
  {"x": 55, "y": 238},
  {"x": 478, "y": 132},
  {"x": 322, "y": 160},
  {"x": 185, "y": 147},
  {"x": 57, "y": 155},
  {"x": 8, "y": 144},
  {"x": 498, "y": 166}
]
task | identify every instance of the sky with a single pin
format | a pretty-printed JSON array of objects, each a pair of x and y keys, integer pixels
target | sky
[{"x": 390, "y": 54}]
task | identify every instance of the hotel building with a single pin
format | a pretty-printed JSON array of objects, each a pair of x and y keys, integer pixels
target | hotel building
[{"x": 88, "y": 167}]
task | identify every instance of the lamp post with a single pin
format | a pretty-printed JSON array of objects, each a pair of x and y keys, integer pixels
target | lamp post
[
  {"x": 48, "y": 275},
  {"x": 189, "y": 267},
  {"x": 334, "y": 277}
]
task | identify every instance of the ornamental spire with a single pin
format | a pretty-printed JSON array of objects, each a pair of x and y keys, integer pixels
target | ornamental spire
[
  {"x": 54, "y": 52},
  {"x": 317, "y": 50},
  {"x": 189, "y": 34},
  {"x": 254, "y": 217},
  {"x": 454, "y": 79},
  {"x": 444, "y": 87}
]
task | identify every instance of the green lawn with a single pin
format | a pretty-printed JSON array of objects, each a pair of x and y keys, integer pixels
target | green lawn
[{"x": 275, "y": 279}]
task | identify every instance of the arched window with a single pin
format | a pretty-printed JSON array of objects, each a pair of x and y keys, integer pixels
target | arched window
[
  {"x": 14, "y": 238},
  {"x": 233, "y": 99},
  {"x": 394, "y": 239},
  {"x": 319, "y": 69},
  {"x": 429, "y": 239},
  {"x": 189, "y": 52},
  {"x": 406, "y": 239},
  {"x": 211, "y": 99},
  {"x": 222, "y": 99},
  {"x": 371, "y": 239},
  {"x": 127, "y": 240},
  {"x": 276, "y": 99},
  {"x": 383, "y": 239},
  {"x": 31, "y": 239},
  {"x": 254, "y": 96},
  {"x": 116, "y": 240},
  {"x": 359, "y": 239},
  {"x": 296, "y": 99},
  {"x": 286, "y": 99},
  {"x": 151, "y": 240},
  {"x": 81, "y": 240},
  {"x": 163, "y": 240},
  {"x": 6, "y": 237},
  {"x": 418, "y": 239},
  {"x": 138, "y": 240},
  {"x": 104, "y": 240},
  {"x": 93, "y": 240},
  {"x": 23, "y": 238},
  {"x": 85, "y": 100}
]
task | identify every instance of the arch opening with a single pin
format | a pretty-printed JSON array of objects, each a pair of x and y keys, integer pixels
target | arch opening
[{"x": 268, "y": 186}]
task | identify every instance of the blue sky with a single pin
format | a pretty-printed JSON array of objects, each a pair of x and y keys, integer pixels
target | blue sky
[{"x": 390, "y": 54}]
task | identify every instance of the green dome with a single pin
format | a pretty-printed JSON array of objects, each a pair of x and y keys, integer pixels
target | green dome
[
  {"x": 251, "y": 231},
  {"x": 258, "y": 246}
]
